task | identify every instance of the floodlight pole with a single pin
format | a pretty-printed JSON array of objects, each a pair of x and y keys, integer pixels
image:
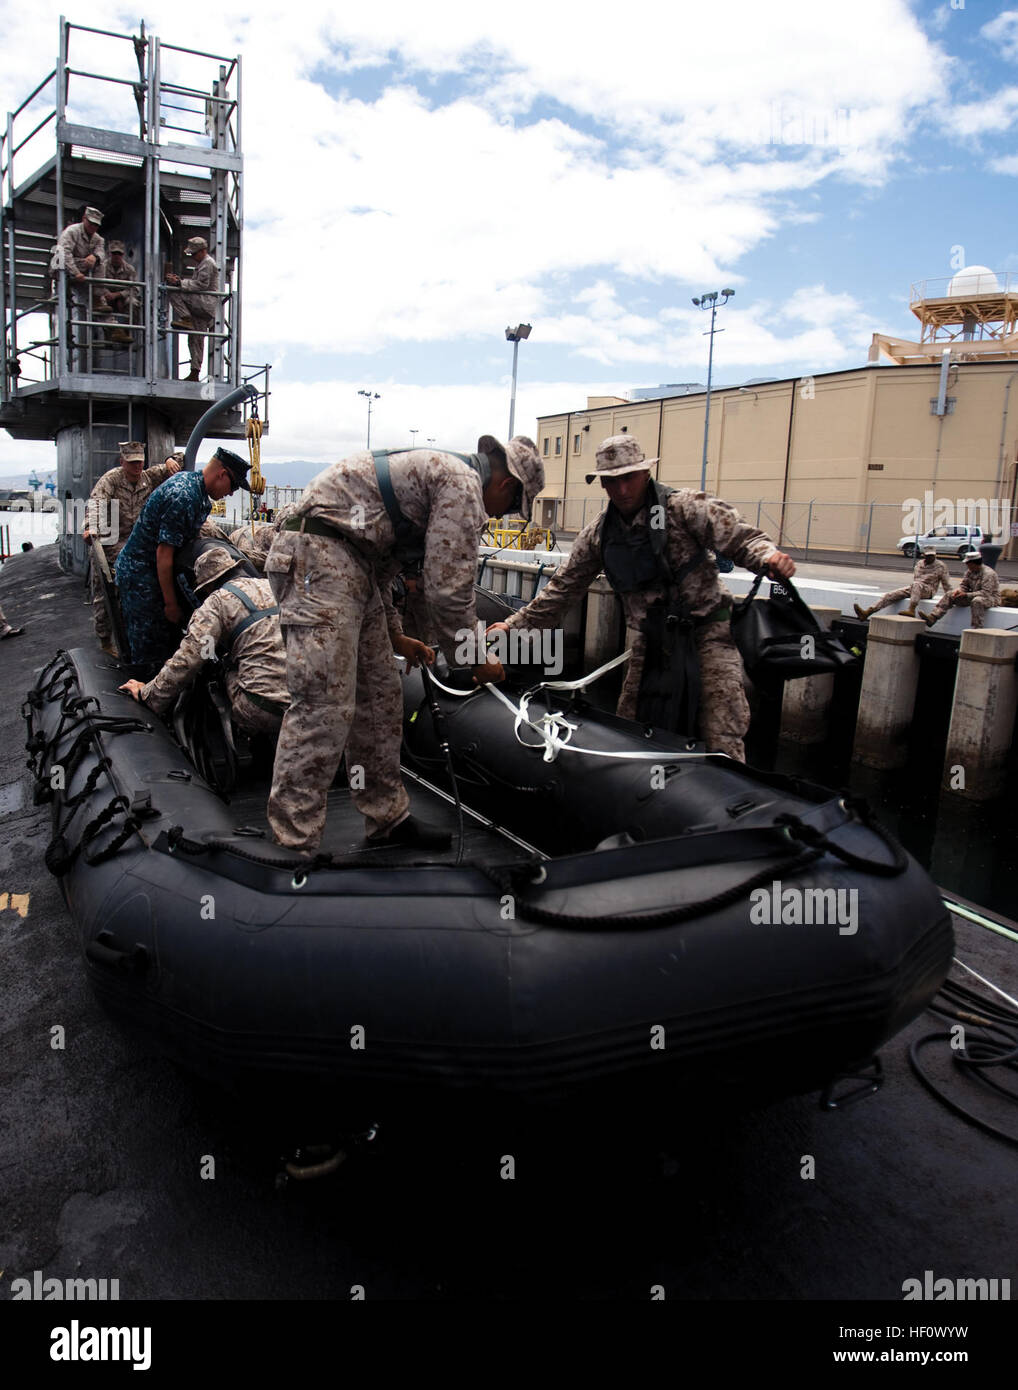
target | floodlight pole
[
  {"x": 372, "y": 396},
  {"x": 710, "y": 301},
  {"x": 514, "y": 336}
]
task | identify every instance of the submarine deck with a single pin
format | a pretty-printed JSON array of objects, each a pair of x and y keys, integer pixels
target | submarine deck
[{"x": 102, "y": 1164}]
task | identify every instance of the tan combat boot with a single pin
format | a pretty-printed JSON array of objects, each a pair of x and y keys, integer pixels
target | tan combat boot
[{"x": 864, "y": 613}]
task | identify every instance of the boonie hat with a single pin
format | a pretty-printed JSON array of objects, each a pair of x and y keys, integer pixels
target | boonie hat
[
  {"x": 620, "y": 454},
  {"x": 212, "y": 564},
  {"x": 132, "y": 449},
  {"x": 235, "y": 466},
  {"x": 195, "y": 243},
  {"x": 972, "y": 557},
  {"x": 114, "y": 246},
  {"x": 523, "y": 462},
  {"x": 94, "y": 216}
]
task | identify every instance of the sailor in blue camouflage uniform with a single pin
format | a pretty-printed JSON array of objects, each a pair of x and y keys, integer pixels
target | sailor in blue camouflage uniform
[{"x": 171, "y": 518}]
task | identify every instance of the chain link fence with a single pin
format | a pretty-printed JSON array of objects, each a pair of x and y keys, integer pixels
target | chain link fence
[{"x": 869, "y": 530}]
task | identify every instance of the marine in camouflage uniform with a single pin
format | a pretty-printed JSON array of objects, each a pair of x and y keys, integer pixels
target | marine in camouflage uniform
[
  {"x": 171, "y": 517},
  {"x": 929, "y": 575},
  {"x": 695, "y": 523},
  {"x": 117, "y": 499},
  {"x": 331, "y": 568},
  {"x": 979, "y": 590},
  {"x": 196, "y": 301},
  {"x": 256, "y": 659},
  {"x": 80, "y": 252},
  {"x": 255, "y": 542},
  {"x": 113, "y": 303}
]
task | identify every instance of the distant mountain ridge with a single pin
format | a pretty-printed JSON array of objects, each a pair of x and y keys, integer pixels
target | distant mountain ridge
[{"x": 296, "y": 473}]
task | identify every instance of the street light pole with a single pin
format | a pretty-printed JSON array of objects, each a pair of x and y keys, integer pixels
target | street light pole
[
  {"x": 413, "y": 438},
  {"x": 515, "y": 336},
  {"x": 371, "y": 397},
  {"x": 710, "y": 301}
]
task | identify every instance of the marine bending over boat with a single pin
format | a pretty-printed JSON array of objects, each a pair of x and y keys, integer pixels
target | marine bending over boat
[
  {"x": 929, "y": 575},
  {"x": 119, "y": 496},
  {"x": 331, "y": 568},
  {"x": 171, "y": 517},
  {"x": 255, "y": 542},
  {"x": 654, "y": 543},
  {"x": 239, "y": 621}
]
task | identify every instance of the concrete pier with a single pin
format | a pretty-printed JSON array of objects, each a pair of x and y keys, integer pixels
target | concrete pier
[
  {"x": 887, "y": 699},
  {"x": 983, "y": 713},
  {"x": 805, "y": 702}
]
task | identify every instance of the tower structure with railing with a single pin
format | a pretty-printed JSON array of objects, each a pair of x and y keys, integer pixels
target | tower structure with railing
[{"x": 149, "y": 133}]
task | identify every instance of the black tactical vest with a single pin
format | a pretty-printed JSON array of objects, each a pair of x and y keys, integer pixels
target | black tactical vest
[{"x": 636, "y": 558}]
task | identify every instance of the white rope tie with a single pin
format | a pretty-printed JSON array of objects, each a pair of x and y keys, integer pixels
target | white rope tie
[{"x": 554, "y": 730}]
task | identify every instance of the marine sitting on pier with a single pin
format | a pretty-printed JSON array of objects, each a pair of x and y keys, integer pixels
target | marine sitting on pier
[
  {"x": 929, "y": 575},
  {"x": 980, "y": 590},
  {"x": 171, "y": 517},
  {"x": 239, "y": 620},
  {"x": 654, "y": 545}
]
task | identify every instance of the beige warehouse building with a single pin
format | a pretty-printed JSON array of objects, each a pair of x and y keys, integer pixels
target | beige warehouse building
[{"x": 838, "y": 460}]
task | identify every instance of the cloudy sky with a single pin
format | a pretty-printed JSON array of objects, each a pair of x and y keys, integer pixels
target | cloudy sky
[{"x": 420, "y": 176}]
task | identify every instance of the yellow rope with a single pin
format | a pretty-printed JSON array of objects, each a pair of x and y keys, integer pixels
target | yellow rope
[{"x": 256, "y": 482}]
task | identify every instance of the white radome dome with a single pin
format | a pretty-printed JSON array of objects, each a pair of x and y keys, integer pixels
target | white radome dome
[{"x": 974, "y": 279}]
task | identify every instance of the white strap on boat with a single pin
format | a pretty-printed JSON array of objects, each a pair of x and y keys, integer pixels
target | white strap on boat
[{"x": 555, "y": 730}]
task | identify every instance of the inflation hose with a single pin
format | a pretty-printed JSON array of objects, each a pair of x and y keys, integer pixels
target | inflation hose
[{"x": 994, "y": 1045}]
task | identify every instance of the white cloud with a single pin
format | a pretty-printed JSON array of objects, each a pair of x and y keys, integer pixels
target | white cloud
[
  {"x": 1002, "y": 32},
  {"x": 995, "y": 113},
  {"x": 579, "y": 169},
  {"x": 1008, "y": 164}
]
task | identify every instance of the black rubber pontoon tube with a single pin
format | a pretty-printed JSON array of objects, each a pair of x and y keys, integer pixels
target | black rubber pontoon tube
[{"x": 203, "y": 426}]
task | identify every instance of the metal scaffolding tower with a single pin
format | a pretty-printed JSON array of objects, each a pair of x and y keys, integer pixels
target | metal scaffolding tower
[{"x": 68, "y": 375}]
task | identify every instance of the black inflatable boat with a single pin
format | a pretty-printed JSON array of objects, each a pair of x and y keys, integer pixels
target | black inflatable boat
[{"x": 617, "y": 925}]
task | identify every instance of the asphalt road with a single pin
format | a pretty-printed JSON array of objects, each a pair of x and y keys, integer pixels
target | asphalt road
[{"x": 105, "y": 1146}]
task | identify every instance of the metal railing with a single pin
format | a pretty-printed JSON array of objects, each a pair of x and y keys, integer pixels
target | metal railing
[{"x": 981, "y": 284}]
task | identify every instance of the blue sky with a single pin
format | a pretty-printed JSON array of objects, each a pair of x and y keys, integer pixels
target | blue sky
[{"x": 420, "y": 177}]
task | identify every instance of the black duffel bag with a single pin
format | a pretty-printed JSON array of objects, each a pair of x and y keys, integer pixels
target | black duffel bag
[{"x": 771, "y": 637}]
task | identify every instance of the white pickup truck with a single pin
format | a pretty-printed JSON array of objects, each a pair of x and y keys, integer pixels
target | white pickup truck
[{"x": 946, "y": 540}]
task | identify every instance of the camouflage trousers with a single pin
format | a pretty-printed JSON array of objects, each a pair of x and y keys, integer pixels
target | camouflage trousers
[
  {"x": 195, "y": 341},
  {"x": 344, "y": 690},
  {"x": 724, "y": 709},
  {"x": 150, "y": 636},
  {"x": 978, "y": 603},
  {"x": 249, "y": 716},
  {"x": 915, "y": 593},
  {"x": 100, "y": 618}
]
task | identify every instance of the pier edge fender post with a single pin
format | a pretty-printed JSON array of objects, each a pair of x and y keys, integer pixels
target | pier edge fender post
[
  {"x": 982, "y": 713},
  {"x": 805, "y": 702},
  {"x": 889, "y": 682},
  {"x": 203, "y": 426}
]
